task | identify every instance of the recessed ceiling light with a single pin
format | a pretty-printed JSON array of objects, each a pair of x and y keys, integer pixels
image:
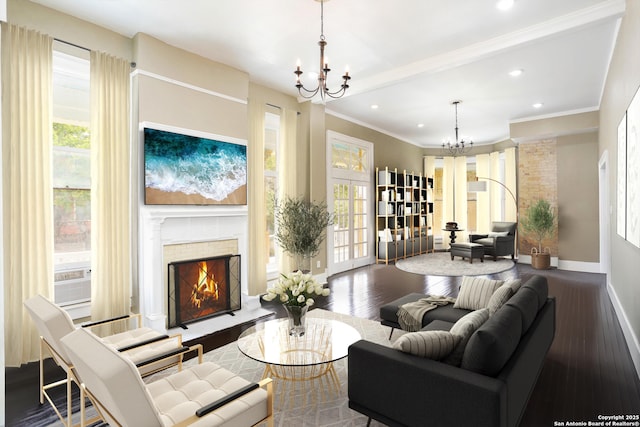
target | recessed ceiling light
[
  {"x": 374, "y": 106},
  {"x": 538, "y": 105},
  {"x": 420, "y": 125},
  {"x": 504, "y": 4},
  {"x": 516, "y": 73}
]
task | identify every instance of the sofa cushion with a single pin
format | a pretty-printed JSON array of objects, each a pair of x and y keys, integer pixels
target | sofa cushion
[
  {"x": 539, "y": 285},
  {"x": 526, "y": 302},
  {"x": 475, "y": 292},
  {"x": 463, "y": 329},
  {"x": 446, "y": 312},
  {"x": 491, "y": 346},
  {"x": 430, "y": 344},
  {"x": 438, "y": 325},
  {"x": 499, "y": 297},
  {"x": 498, "y": 233}
]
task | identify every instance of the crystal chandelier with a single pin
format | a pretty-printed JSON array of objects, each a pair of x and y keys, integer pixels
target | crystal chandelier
[
  {"x": 324, "y": 71},
  {"x": 460, "y": 147}
]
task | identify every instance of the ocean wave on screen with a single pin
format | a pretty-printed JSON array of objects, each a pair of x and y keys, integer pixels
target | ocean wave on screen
[{"x": 213, "y": 170}]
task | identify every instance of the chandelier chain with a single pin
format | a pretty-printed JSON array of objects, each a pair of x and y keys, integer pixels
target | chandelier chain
[
  {"x": 460, "y": 147},
  {"x": 323, "y": 72}
]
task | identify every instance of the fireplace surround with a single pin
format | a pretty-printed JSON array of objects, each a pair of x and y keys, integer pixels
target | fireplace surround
[{"x": 173, "y": 234}]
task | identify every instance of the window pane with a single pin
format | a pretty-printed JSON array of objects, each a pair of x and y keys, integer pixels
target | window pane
[
  {"x": 72, "y": 221},
  {"x": 340, "y": 156},
  {"x": 71, "y": 162}
]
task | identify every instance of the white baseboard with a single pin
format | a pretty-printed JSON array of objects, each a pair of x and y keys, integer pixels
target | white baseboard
[
  {"x": 630, "y": 338},
  {"x": 585, "y": 267}
]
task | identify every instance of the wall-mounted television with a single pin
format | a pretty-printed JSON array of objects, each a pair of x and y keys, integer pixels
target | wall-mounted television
[{"x": 185, "y": 168}]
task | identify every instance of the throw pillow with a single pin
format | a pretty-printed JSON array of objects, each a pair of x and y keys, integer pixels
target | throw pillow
[
  {"x": 463, "y": 329},
  {"x": 498, "y": 233},
  {"x": 499, "y": 297},
  {"x": 430, "y": 344},
  {"x": 514, "y": 284},
  {"x": 475, "y": 292}
]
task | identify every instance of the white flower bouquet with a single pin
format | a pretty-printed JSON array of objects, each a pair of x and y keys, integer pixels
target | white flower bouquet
[{"x": 296, "y": 289}]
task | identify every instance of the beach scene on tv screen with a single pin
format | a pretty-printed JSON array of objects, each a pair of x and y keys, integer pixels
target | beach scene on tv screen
[{"x": 188, "y": 170}]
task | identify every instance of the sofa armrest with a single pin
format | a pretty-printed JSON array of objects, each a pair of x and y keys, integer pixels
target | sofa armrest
[
  {"x": 474, "y": 237},
  {"x": 401, "y": 389}
]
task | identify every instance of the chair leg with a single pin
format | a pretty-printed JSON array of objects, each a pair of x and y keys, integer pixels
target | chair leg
[
  {"x": 391, "y": 333},
  {"x": 368, "y": 421}
]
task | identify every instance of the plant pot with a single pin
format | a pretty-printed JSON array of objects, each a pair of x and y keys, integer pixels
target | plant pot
[{"x": 540, "y": 260}]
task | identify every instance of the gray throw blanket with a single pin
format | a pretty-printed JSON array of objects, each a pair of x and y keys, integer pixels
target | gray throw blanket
[{"x": 410, "y": 314}]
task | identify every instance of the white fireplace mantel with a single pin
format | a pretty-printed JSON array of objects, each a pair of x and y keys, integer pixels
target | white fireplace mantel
[{"x": 164, "y": 225}]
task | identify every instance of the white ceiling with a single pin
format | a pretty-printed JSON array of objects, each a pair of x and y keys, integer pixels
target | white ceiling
[{"x": 409, "y": 57}]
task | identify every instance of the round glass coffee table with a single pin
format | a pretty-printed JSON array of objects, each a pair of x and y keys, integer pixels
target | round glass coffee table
[{"x": 301, "y": 360}]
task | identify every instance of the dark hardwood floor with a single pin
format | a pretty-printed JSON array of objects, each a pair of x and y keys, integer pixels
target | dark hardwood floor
[{"x": 588, "y": 371}]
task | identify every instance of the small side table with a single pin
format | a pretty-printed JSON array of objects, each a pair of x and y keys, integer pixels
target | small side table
[{"x": 452, "y": 233}]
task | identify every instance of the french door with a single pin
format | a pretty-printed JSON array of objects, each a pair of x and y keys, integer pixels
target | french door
[{"x": 350, "y": 240}]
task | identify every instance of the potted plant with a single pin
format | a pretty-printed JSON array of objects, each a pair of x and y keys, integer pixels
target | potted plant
[
  {"x": 301, "y": 228},
  {"x": 539, "y": 222}
]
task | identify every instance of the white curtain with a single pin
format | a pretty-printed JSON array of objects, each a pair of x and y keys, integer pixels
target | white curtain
[
  {"x": 461, "y": 197},
  {"x": 257, "y": 266},
  {"x": 287, "y": 183},
  {"x": 495, "y": 191},
  {"x": 448, "y": 192},
  {"x": 28, "y": 194},
  {"x": 510, "y": 205},
  {"x": 483, "y": 206},
  {"x": 110, "y": 187}
]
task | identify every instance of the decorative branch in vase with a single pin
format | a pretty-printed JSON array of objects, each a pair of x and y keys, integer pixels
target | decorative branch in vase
[{"x": 301, "y": 228}]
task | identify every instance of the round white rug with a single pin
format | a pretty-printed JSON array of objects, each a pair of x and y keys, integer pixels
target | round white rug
[{"x": 440, "y": 264}]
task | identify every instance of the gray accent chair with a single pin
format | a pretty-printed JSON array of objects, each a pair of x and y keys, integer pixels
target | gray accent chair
[{"x": 495, "y": 243}]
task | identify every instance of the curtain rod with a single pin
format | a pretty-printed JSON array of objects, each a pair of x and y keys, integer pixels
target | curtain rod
[{"x": 72, "y": 44}]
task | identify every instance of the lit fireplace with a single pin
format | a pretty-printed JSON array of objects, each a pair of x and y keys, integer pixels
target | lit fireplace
[{"x": 203, "y": 288}]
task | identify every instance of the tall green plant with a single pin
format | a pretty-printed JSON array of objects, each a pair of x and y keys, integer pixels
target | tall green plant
[
  {"x": 539, "y": 221},
  {"x": 301, "y": 226}
]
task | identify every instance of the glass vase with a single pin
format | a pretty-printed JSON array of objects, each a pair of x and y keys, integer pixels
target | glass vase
[{"x": 297, "y": 319}]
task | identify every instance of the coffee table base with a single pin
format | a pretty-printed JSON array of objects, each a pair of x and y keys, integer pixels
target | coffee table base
[{"x": 322, "y": 381}]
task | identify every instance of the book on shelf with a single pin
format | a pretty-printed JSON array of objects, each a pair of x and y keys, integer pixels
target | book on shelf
[{"x": 385, "y": 235}]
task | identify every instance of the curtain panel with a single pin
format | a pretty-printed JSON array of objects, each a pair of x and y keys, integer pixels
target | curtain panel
[
  {"x": 28, "y": 193},
  {"x": 483, "y": 208},
  {"x": 110, "y": 187},
  {"x": 257, "y": 267},
  {"x": 287, "y": 183}
]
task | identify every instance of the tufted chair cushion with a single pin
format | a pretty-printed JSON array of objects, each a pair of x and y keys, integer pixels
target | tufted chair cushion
[{"x": 117, "y": 385}]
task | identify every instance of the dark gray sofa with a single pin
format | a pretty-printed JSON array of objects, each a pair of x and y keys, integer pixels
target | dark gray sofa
[{"x": 500, "y": 367}]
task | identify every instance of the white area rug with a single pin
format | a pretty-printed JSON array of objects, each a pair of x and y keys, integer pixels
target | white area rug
[
  {"x": 306, "y": 405},
  {"x": 440, "y": 264}
]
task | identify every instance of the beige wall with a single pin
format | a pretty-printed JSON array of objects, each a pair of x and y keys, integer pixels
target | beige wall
[
  {"x": 67, "y": 28},
  {"x": 574, "y": 185},
  {"x": 623, "y": 80},
  {"x": 578, "y": 219}
]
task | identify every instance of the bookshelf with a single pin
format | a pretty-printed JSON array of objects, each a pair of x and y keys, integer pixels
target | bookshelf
[{"x": 404, "y": 214}]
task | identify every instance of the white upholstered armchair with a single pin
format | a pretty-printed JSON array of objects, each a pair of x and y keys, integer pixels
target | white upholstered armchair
[
  {"x": 202, "y": 395},
  {"x": 150, "y": 350}
]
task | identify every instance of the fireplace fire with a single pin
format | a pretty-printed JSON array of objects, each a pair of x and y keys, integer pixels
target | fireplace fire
[{"x": 203, "y": 288}]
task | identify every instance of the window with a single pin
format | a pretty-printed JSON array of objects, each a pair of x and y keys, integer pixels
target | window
[
  {"x": 271, "y": 138},
  {"x": 71, "y": 170}
]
